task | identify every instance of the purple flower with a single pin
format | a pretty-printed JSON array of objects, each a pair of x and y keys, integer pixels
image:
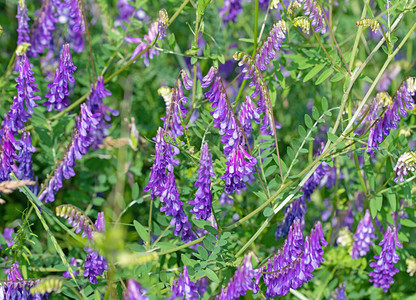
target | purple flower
[
  {"x": 100, "y": 222},
  {"x": 174, "y": 207},
  {"x": 144, "y": 43},
  {"x": 8, "y": 148},
  {"x": 313, "y": 182},
  {"x": 296, "y": 210},
  {"x": 79, "y": 145},
  {"x": 43, "y": 28},
  {"x": 245, "y": 278},
  {"x": 164, "y": 161},
  {"x": 126, "y": 11},
  {"x": 58, "y": 95},
  {"x": 73, "y": 262},
  {"x": 363, "y": 236},
  {"x": 339, "y": 293},
  {"x": 230, "y": 10},
  {"x": 163, "y": 23},
  {"x": 76, "y": 26},
  {"x": 134, "y": 291},
  {"x": 405, "y": 163},
  {"x": 25, "y": 169},
  {"x": 22, "y": 24},
  {"x": 207, "y": 79},
  {"x": 184, "y": 287},
  {"x": 224, "y": 199},
  {"x": 271, "y": 45},
  {"x": 239, "y": 166},
  {"x": 8, "y": 236},
  {"x": 203, "y": 196},
  {"x": 96, "y": 106},
  {"x": 247, "y": 113},
  {"x": 402, "y": 100},
  {"x": 314, "y": 11},
  {"x": 294, "y": 264},
  {"x": 94, "y": 265},
  {"x": 175, "y": 109},
  {"x": 384, "y": 269}
]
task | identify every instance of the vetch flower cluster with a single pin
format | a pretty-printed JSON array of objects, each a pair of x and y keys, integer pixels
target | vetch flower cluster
[
  {"x": 22, "y": 26},
  {"x": 384, "y": 269},
  {"x": 293, "y": 265},
  {"x": 244, "y": 279},
  {"x": 271, "y": 45},
  {"x": 230, "y": 10},
  {"x": 163, "y": 23},
  {"x": 94, "y": 265},
  {"x": 405, "y": 163},
  {"x": 295, "y": 210},
  {"x": 203, "y": 197},
  {"x": 58, "y": 95},
  {"x": 362, "y": 237},
  {"x": 76, "y": 26},
  {"x": 184, "y": 287},
  {"x": 314, "y": 12},
  {"x": 79, "y": 145},
  {"x": 134, "y": 291},
  {"x": 96, "y": 106},
  {"x": 393, "y": 109},
  {"x": 43, "y": 28},
  {"x": 239, "y": 167}
]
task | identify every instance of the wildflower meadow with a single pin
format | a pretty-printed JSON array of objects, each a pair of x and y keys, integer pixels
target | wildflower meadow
[{"x": 203, "y": 149}]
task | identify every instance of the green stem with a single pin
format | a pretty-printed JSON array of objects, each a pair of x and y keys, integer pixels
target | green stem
[
  {"x": 150, "y": 223},
  {"x": 358, "y": 36},
  {"x": 326, "y": 52}
]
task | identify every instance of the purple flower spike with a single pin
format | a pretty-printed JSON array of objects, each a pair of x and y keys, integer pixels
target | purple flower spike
[
  {"x": 207, "y": 79},
  {"x": 247, "y": 113},
  {"x": 271, "y": 45},
  {"x": 244, "y": 279},
  {"x": 76, "y": 26},
  {"x": 26, "y": 85},
  {"x": 203, "y": 197},
  {"x": 134, "y": 291},
  {"x": 13, "y": 274},
  {"x": 100, "y": 222},
  {"x": 80, "y": 144},
  {"x": 94, "y": 265},
  {"x": 96, "y": 106},
  {"x": 43, "y": 28},
  {"x": 314, "y": 11},
  {"x": 184, "y": 287},
  {"x": 58, "y": 95},
  {"x": 295, "y": 210},
  {"x": 363, "y": 236},
  {"x": 230, "y": 10},
  {"x": 405, "y": 163},
  {"x": 163, "y": 23},
  {"x": 174, "y": 206},
  {"x": 8, "y": 236},
  {"x": 22, "y": 24},
  {"x": 8, "y": 148},
  {"x": 239, "y": 166},
  {"x": 25, "y": 169},
  {"x": 384, "y": 269},
  {"x": 164, "y": 161},
  {"x": 75, "y": 264}
]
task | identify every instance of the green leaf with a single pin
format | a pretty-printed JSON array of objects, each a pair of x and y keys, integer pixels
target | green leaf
[
  {"x": 308, "y": 121},
  {"x": 270, "y": 170},
  {"x": 301, "y": 131},
  {"x": 141, "y": 230},
  {"x": 324, "y": 104},
  {"x": 391, "y": 197},
  {"x": 315, "y": 113},
  {"x": 203, "y": 253},
  {"x": 211, "y": 275},
  {"x": 135, "y": 191},
  {"x": 332, "y": 137},
  {"x": 325, "y": 74},
  {"x": 268, "y": 211},
  {"x": 315, "y": 70},
  {"x": 337, "y": 77},
  {"x": 407, "y": 223}
]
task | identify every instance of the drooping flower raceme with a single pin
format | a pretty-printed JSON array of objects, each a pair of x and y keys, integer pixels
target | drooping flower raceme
[
  {"x": 244, "y": 279},
  {"x": 295, "y": 210},
  {"x": 240, "y": 166},
  {"x": 22, "y": 26},
  {"x": 79, "y": 145},
  {"x": 163, "y": 23},
  {"x": 76, "y": 26},
  {"x": 362, "y": 237},
  {"x": 174, "y": 207},
  {"x": 8, "y": 148},
  {"x": 96, "y": 106},
  {"x": 294, "y": 264},
  {"x": 247, "y": 113},
  {"x": 405, "y": 163},
  {"x": 73, "y": 262},
  {"x": 43, "y": 28},
  {"x": 163, "y": 162},
  {"x": 58, "y": 95},
  {"x": 25, "y": 169},
  {"x": 384, "y": 269},
  {"x": 315, "y": 14},
  {"x": 184, "y": 287},
  {"x": 271, "y": 45},
  {"x": 134, "y": 291},
  {"x": 402, "y": 101},
  {"x": 203, "y": 196}
]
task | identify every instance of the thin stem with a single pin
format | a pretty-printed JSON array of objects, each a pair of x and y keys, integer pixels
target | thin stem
[
  {"x": 357, "y": 37},
  {"x": 150, "y": 223},
  {"x": 176, "y": 14},
  {"x": 326, "y": 52}
]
